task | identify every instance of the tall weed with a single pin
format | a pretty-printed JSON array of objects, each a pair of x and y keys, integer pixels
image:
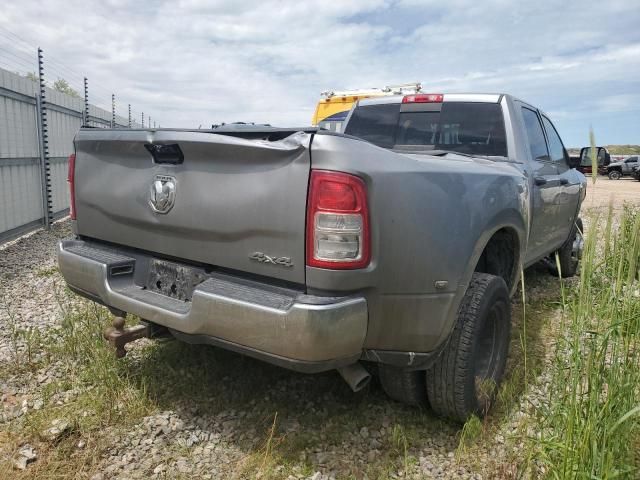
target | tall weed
[{"x": 589, "y": 422}]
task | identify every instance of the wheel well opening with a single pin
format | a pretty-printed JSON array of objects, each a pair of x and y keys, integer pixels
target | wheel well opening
[{"x": 500, "y": 255}]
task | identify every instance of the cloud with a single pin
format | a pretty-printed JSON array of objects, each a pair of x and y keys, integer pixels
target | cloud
[{"x": 197, "y": 62}]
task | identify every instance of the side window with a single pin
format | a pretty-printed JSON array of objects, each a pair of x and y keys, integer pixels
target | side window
[
  {"x": 537, "y": 143},
  {"x": 631, "y": 160},
  {"x": 556, "y": 148}
]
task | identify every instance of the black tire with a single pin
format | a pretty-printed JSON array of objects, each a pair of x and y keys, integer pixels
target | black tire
[
  {"x": 405, "y": 386},
  {"x": 464, "y": 379},
  {"x": 569, "y": 253},
  {"x": 615, "y": 175}
]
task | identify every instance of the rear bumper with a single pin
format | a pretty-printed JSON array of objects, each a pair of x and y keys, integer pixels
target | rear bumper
[{"x": 281, "y": 326}]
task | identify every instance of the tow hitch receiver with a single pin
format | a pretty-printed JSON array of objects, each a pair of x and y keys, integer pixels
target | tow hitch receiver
[{"x": 118, "y": 335}]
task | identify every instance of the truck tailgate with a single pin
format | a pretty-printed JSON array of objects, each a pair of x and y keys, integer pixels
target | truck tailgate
[{"x": 238, "y": 204}]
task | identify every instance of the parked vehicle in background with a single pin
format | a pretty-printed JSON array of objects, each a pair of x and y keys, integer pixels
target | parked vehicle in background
[
  {"x": 603, "y": 156},
  {"x": 617, "y": 170},
  {"x": 398, "y": 244},
  {"x": 334, "y": 106}
]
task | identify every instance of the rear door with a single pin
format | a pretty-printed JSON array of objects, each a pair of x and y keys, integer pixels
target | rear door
[
  {"x": 228, "y": 202},
  {"x": 570, "y": 185},
  {"x": 545, "y": 188}
]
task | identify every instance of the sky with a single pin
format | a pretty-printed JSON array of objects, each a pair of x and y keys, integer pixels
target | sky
[{"x": 191, "y": 63}]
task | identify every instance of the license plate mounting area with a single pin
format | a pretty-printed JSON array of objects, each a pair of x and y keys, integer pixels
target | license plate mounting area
[{"x": 173, "y": 279}]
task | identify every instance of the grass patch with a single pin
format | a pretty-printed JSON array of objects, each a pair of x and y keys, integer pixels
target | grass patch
[
  {"x": 588, "y": 425},
  {"x": 533, "y": 315},
  {"x": 92, "y": 393},
  {"x": 48, "y": 272},
  {"x": 282, "y": 417}
]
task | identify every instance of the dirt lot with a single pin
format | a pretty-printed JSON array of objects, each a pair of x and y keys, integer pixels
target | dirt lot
[
  {"x": 169, "y": 410},
  {"x": 615, "y": 192}
]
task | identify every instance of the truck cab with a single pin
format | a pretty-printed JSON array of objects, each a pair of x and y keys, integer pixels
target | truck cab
[{"x": 498, "y": 127}]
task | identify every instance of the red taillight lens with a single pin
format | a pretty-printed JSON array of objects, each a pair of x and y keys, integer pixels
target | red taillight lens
[
  {"x": 336, "y": 196},
  {"x": 337, "y": 221},
  {"x": 424, "y": 98},
  {"x": 71, "y": 179}
]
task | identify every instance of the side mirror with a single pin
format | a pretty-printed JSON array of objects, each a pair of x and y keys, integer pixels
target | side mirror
[{"x": 602, "y": 155}]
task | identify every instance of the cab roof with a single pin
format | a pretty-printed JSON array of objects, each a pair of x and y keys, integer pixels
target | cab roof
[{"x": 447, "y": 97}]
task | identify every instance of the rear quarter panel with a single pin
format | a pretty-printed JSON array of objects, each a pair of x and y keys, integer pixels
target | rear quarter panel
[{"x": 430, "y": 218}]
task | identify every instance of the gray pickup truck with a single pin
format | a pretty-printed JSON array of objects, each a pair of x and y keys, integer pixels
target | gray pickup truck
[
  {"x": 393, "y": 248},
  {"x": 617, "y": 170}
]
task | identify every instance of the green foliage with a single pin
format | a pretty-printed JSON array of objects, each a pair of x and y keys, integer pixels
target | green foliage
[
  {"x": 61, "y": 85},
  {"x": 624, "y": 149},
  {"x": 613, "y": 150},
  {"x": 588, "y": 426},
  {"x": 471, "y": 431}
]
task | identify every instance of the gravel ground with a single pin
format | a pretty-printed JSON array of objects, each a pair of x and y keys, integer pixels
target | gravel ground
[
  {"x": 216, "y": 414},
  {"x": 30, "y": 287},
  {"x": 616, "y": 192}
]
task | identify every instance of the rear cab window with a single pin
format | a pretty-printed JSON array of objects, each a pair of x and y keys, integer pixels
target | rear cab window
[{"x": 475, "y": 128}]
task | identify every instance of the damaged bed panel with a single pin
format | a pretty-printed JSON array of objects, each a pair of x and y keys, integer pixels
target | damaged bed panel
[{"x": 229, "y": 201}]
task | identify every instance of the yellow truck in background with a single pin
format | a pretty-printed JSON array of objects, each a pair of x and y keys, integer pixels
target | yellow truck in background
[{"x": 334, "y": 105}]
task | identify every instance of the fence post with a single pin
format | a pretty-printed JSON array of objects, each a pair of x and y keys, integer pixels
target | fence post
[
  {"x": 85, "y": 120},
  {"x": 45, "y": 166},
  {"x": 142, "y": 116}
]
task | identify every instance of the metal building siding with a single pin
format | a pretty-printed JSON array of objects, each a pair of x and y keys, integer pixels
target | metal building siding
[
  {"x": 59, "y": 187},
  {"x": 21, "y": 203},
  {"x": 20, "y": 185},
  {"x": 21, "y": 195},
  {"x": 62, "y": 129},
  {"x": 18, "y": 135}
]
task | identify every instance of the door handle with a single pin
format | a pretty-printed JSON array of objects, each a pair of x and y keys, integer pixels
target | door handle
[
  {"x": 540, "y": 181},
  {"x": 564, "y": 181}
]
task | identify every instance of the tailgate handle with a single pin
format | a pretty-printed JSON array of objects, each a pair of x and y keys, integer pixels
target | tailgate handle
[{"x": 165, "y": 153}]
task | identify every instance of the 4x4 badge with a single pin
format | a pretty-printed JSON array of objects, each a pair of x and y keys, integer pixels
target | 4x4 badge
[{"x": 261, "y": 257}]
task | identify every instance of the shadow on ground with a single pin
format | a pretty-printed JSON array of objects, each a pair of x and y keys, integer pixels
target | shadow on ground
[{"x": 319, "y": 422}]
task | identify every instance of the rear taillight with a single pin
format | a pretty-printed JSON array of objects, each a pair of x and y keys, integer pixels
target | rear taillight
[
  {"x": 337, "y": 221},
  {"x": 424, "y": 98},
  {"x": 71, "y": 178}
]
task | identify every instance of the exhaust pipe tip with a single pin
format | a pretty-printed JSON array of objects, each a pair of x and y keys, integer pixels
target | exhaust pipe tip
[{"x": 355, "y": 375}]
